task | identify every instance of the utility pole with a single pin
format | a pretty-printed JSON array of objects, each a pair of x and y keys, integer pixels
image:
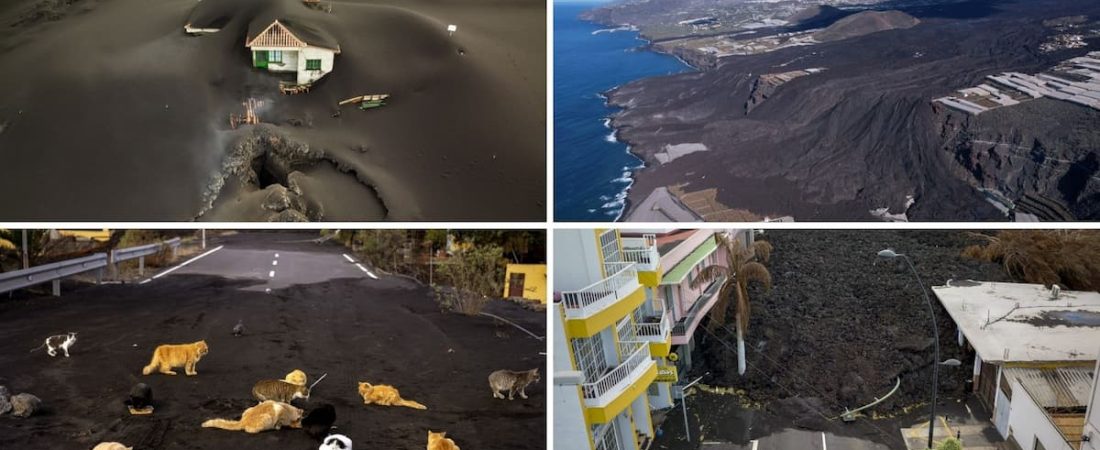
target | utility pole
[{"x": 26, "y": 254}]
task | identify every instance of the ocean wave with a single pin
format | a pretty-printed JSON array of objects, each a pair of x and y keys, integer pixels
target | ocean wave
[{"x": 617, "y": 29}]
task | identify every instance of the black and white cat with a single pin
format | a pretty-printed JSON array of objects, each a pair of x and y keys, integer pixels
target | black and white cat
[
  {"x": 336, "y": 442},
  {"x": 61, "y": 341}
]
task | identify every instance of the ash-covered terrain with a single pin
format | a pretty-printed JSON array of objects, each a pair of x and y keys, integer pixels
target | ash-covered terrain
[
  {"x": 829, "y": 114},
  {"x": 111, "y": 111}
]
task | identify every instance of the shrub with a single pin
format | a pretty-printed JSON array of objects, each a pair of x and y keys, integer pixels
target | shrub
[
  {"x": 950, "y": 444},
  {"x": 473, "y": 275},
  {"x": 1070, "y": 258}
]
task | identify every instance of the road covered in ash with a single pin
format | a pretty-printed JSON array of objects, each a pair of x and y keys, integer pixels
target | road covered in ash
[{"x": 304, "y": 306}]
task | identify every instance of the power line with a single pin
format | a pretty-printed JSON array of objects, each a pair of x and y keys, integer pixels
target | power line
[{"x": 728, "y": 346}]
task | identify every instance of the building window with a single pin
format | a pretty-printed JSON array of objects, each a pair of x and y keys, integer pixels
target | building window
[
  {"x": 313, "y": 64},
  {"x": 1039, "y": 445},
  {"x": 609, "y": 245},
  {"x": 589, "y": 356},
  {"x": 275, "y": 56}
]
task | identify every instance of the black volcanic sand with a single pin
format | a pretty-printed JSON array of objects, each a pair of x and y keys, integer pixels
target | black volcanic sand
[
  {"x": 864, "y": 134},
  {"x": 838, "y": 328},
  {"x": 384, "y": 331},
  {"x": 110, "y": 111}
]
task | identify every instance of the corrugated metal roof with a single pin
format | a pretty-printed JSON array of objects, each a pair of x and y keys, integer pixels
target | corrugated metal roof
[{"x": 1062, "y": 387}]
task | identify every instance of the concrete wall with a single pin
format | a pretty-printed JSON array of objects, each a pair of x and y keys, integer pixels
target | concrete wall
[
  {"x": 327, "y": 57},
  {"x": 576, "y": 259},
  {"x": 1028, "y": 422},
  {"x": 570, "y": 431},
  {"x": 290, "y": 59}
]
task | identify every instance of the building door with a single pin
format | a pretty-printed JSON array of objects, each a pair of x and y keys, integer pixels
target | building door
[
  {"x": 987, "y": 384},
  {"x": 515, "y": 284},
  {"x": 260, "y": 59}
]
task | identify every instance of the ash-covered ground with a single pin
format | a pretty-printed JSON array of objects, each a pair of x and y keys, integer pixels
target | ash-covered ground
[
  {"x": 863, "y": 134},
  {"x": 837, "y": 330},
  {"x": 111, "y": 111},
  {"x": 322, "y": 315}
]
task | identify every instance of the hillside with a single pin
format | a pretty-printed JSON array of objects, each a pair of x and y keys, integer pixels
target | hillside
[{"x": 865, "y": 23}]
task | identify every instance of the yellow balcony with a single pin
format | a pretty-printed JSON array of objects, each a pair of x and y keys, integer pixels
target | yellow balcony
[
  {"x": 658, "y": 333},
  {"x": 647, "y": 259},
  {"x": 613, "y": 392},
  {"x": 600, "y": 305}
]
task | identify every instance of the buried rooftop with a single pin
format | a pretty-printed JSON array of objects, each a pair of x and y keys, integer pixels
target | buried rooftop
[{"x": 1017, "y": 322}]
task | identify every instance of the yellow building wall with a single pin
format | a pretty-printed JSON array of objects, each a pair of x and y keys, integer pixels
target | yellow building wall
[
  {"x": 95, "y": 235},
  {"x": 534, "y": 280}
]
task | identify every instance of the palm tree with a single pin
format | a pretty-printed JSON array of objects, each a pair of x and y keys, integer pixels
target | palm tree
[{"x": 745, "y": 264}]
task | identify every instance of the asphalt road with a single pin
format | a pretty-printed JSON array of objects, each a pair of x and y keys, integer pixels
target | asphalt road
[
  {"x": 305, "y": 306},
  {"x": 800, "y": 439}
]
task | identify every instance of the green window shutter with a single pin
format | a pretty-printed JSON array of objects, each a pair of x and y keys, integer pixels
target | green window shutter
[{"x": 313, "y": 64}]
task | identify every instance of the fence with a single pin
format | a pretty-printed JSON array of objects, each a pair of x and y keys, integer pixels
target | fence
[{"x": 55, "y": 272}]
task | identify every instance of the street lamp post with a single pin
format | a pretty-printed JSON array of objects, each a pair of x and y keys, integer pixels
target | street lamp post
[
  {"x": 683, "y": 405},
  {"x": 891, "y": 254}
]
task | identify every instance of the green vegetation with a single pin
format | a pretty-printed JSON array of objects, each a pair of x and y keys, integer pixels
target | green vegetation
[
  {"x": 744, "y": 264},
  {"x": 1070, "y": 258},
  {"x": 950, "y": 444},
  {"x": 473, "y": 275},
  {"x": 470, "y": 262}
]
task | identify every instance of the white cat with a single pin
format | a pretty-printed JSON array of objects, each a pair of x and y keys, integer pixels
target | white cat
[
  {"x": 336, "y": 442},
  {"x": 61, "y": 341}
]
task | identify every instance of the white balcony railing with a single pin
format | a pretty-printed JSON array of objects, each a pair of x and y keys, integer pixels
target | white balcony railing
[
  {"x": 654, "y": 331},
  {"x": 602, "y": 391},
  {"x": 601, "y": 294}
]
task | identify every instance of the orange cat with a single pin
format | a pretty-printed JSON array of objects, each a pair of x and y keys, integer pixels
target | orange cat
[
  {"x": 296, "y": 377},
  {"x": 111, "y": 446},
  {"x": 385, "y": 395},
  {"x": 167, "y": 357},
  {"x": 439, "y": 441},
  {"x": 268, "y": 415}
]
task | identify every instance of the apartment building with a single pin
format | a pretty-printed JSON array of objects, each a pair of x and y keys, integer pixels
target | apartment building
[
  {"x": 683, "y": 254},
  {"x": 611, "y": 341}
]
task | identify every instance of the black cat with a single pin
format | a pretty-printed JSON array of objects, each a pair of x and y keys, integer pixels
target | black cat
[{"x": 318, "y": 421}]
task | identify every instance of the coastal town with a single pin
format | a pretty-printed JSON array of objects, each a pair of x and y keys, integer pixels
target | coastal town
[{"x": 656, "y": 346}]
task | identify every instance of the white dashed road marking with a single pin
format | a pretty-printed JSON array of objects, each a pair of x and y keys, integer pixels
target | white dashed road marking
[
  {"x": 275, "y": 262},
  {"x": 271, "y": 274},
  {"x": 348, "y": 258},
  {"x": 166, "y": 272}
]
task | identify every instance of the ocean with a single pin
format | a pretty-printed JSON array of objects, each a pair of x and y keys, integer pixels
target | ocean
[{"x": 592, "y": 170}]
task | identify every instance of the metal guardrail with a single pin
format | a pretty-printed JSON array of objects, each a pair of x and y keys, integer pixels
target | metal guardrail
[
  {"x": 139, "y": 253},
  {"x": 54, "y": 272},
  {"x": 21, "y": 279}
]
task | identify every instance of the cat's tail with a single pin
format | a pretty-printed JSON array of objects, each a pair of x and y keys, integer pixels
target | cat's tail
[
  {"x": 38, "y": 348},
  {"x": 233, "y": 425},
  {"x": 411, "y": 404},
  {"x": 151, "y": 367}
]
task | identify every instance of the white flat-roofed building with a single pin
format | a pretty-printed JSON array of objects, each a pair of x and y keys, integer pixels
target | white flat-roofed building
[{"x": 1035, "y": 356}]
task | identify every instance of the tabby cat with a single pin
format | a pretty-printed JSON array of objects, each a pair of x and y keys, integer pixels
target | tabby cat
[
  {"x": 111, "y": 446},
  {"x": 512, "y": 382},
  {"x": 440, "y": 441},
  {"x": 279, "y": 390},
  {"x": 381, "y": 394},
  {"x": 269, "y": 415},
  {"x": 60, "y": 341},
  {"x": 166, "y": 357}
]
